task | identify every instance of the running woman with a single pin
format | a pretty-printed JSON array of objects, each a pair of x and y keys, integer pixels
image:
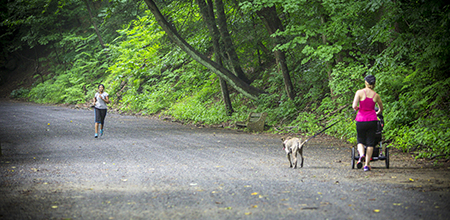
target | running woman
[{"x": 100, "y": 100}]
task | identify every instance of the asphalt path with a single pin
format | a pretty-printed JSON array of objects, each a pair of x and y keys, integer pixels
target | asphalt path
[{"x": 52, "y": 167}]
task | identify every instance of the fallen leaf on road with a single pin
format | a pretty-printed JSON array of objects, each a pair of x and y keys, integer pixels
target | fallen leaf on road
[
  {"x": 308, "y": 208},
  {"x": 254, "y": 206},
  {"x": 54, "y": 207},
  {"x": 248, "y": 213},
  {"x": 376, "y": 210},
  {"x": 255, "y": 193}
]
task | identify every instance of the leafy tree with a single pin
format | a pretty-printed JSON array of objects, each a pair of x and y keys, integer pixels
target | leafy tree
[
  {"x": 234, "y": 81},
  {"x": 273, "y": 24},
  {"x": 208, "y": 16}
]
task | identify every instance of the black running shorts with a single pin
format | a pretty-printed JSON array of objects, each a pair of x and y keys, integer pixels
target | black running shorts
[
  {"x": 100, "y": 115},
  {"x": 366, "y": 132}
]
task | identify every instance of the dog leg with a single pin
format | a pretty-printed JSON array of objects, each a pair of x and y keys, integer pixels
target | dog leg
[
  {"x": 294, "y": 156},
  {"x": 289, "y": 158},
  {"x": 301, "y": 155}
]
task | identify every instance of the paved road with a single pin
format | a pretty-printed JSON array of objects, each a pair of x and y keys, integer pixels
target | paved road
[{"x": 143, "y": 168}]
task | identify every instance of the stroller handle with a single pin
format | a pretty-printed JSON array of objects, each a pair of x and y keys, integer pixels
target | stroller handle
[{"x": 379, "y": 115}]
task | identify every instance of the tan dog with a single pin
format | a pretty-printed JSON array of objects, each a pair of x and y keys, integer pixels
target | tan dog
[{"x": 292, "y": 146}]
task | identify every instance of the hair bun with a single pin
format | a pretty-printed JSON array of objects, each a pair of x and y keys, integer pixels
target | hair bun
[{"x": 370, "y": 79}]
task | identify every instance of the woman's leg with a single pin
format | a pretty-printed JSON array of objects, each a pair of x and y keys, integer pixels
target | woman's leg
[
  {"x": 103, "y": 112},
  {"x": 370, "y": 143},
  {"x": 369, "y": 155},
  {"x": 361, "y": 149},
  {"x": 361, "y": 159},
  {"x": 361, "y": 137},
  {"x": 96, "y": 128},
  {"x": 97, "y": 119}
]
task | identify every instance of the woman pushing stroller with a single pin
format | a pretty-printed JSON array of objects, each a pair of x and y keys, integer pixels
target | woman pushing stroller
[{"x": 366, "y": 120}]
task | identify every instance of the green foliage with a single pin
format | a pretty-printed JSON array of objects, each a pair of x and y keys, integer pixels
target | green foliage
[
  {"x": 76, "y": 63},
  {"x": 199, "y": 107},
  {"x": 19, "y": 93},
  {"x": 421, "y": 125}
]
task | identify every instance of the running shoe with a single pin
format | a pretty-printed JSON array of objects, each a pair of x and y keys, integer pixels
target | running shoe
[
  {"x": 101, "y": 132},
  {"x": 367, "y": 168},
  {"x": 360, "y": 161},
  {"x": 96, "y": 135}
]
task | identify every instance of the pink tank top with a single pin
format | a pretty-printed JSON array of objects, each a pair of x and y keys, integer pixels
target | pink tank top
[{"x": 366, "y": 110}]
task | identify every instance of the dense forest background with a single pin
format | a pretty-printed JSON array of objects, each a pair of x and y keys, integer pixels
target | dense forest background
[{"x": 214, "y": 61}]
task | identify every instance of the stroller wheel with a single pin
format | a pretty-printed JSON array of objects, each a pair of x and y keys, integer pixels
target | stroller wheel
[
  {"x": 387, "y": 157},
  {"x": 353, "y": 158}
]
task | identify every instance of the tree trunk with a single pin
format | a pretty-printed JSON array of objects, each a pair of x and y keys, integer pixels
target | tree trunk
[
  {"x": 208, "y": 16},
  {"x": 273, "y": 23},
  {"x": 230, "y": 78},
  {"x": 228, "y": 43},
  {"x": 95, "y": 25}
]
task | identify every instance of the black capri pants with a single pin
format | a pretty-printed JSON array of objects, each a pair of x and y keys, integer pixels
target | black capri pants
[
  {"x": 100, "y": 115},
  {"x": 366, "y": 132}
]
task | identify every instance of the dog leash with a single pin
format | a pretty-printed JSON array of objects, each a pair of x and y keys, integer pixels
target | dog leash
[{"x": 321, "y": 131}]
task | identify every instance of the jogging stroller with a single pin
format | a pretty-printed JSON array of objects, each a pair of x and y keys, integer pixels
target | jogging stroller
[{"x": 377, "y": 149}]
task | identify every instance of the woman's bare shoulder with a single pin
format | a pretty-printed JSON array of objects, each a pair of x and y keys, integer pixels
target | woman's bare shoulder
[
  {"x": 360, "y": 91},
  {"x": 377, "y": 97}
]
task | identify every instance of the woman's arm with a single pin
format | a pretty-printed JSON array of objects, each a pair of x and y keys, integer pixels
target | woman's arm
[
  {"x": 380, "y": 104},
  {"x": 106, "y": 99},
  {"x": 356, "y": 101}
]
